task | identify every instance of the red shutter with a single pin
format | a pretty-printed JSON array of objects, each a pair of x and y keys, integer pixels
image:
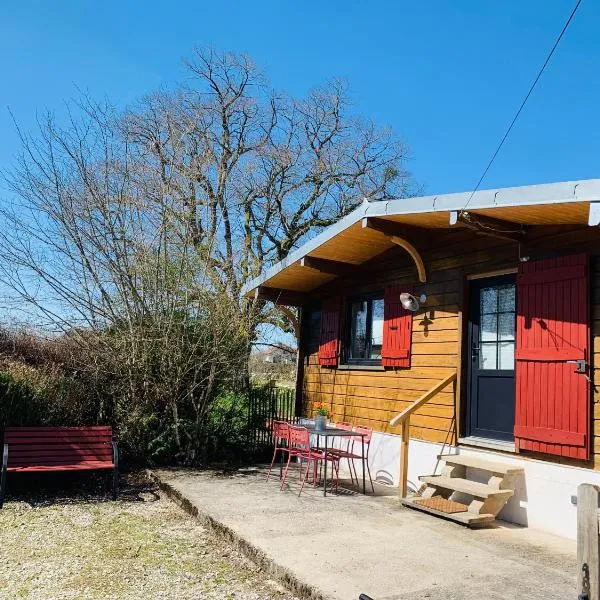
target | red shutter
[
  {"x": 553, "y": 400},
  {"x": 329, "y": 343},
  {"x": 397, "y": 329}
]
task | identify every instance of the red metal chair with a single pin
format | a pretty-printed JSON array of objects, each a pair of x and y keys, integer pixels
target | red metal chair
[
  {"x": 300, "y": 446},
  {"x": 343, "y": 451},
  {"x": 281, "y": 438},
  {"x": 351, "y": 455}
]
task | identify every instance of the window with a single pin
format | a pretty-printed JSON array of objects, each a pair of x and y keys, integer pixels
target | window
[
  {"x": 497, "y": 328},
  {"x": 312, "y": 322},
  {"x": 365, "y": 330}
]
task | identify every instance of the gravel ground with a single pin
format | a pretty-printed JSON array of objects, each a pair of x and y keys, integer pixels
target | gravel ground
[{"x": 143, "y": 546}]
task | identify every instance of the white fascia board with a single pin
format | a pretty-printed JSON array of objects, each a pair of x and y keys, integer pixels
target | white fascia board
[{"x": 587, "y": 190}]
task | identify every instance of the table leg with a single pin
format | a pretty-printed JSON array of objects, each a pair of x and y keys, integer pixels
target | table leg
[
  {"x": 280, "y": 465},
  {"x": 325, "y": 467},
  {"x": 362, "y": 440}
]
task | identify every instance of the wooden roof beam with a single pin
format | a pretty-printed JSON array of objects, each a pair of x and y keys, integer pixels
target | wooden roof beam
[
  {"x": 281, "y": 297},
  {"x": 331, "y": 267},
  {"x": 490, "y": 226},
  {"x": 396, "y": 233}
]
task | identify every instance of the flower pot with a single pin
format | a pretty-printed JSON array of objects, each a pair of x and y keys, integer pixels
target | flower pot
[{"x": 320, "y": 422}]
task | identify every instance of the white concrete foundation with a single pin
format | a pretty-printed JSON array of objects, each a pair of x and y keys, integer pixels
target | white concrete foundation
[{"x": 545, "y": 497}]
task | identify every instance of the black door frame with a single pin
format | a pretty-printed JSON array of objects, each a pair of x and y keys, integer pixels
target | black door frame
[{"x": 474, "y": 286}]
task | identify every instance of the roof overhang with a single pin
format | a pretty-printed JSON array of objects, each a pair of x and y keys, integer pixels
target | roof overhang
[{"x": 369, "y": 229}]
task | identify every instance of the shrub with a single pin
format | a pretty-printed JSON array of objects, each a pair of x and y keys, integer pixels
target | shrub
[{"x": 171, "y": 396}]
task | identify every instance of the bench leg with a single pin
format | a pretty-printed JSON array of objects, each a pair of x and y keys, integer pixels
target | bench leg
[
  {"x": 115, "y": 475},
  {"x": 115, "y": 484},
  {"x": 3, "y": 474}
]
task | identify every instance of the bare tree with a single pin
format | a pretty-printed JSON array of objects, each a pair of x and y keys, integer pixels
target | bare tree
[
  {"x": 255, "y": 172},
  {"x": 95, "y": 244},
  {"x": 120, "y": 216}
]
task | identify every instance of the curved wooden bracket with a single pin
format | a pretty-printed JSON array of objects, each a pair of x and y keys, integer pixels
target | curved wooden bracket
[
  {"x": 289, "y": 313},
  {"x": 395, "y": 233},
  {"x": 414, "y": 253}
]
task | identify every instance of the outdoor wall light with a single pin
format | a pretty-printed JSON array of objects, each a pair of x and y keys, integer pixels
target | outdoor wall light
[{"x": 412, "y": 303}]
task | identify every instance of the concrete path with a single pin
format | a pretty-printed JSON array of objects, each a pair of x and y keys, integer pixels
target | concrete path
[{"x": 342, "y": 545}]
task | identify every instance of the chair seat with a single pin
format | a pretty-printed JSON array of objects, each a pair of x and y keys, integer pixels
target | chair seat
[
  {"x": 313, "y": 454},
  {"x": 316, "y": 455},
  {"x": 345, "y": 454}
]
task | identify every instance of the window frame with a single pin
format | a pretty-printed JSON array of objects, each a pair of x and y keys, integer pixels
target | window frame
[{"x": 369, "y": 298}]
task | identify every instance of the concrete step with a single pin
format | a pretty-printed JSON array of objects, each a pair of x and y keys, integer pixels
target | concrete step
[
  {"x": 472, "y": 520},
  {"x": 466, "y": 486},
  {"x": 474, "y": 462}
]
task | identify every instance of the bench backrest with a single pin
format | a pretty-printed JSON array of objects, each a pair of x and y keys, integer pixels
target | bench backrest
[{"x": 58, "y": 445}]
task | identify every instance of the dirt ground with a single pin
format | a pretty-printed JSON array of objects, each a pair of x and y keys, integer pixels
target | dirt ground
[{"x": 74, "y": 544}]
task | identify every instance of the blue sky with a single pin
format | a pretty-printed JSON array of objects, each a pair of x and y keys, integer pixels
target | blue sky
[{"x": 447, "y": 76}]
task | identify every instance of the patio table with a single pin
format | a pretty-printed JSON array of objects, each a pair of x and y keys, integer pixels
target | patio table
[{"x": 333, "y": 432}]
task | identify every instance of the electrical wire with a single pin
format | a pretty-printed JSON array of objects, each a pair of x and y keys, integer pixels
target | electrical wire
[{"x": 532, "y": 87}]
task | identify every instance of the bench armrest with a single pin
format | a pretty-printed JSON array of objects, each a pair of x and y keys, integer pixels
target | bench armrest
[{"x": 3, "y": 474}]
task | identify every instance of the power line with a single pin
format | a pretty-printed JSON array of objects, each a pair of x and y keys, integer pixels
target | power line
[{"x": 535, "y": 81}]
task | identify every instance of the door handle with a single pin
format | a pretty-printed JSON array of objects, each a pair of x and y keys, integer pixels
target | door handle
[{"x": 581, "y": 367}]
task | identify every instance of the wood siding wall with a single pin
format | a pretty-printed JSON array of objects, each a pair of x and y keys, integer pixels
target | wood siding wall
[{"x": 373, "y": 397}]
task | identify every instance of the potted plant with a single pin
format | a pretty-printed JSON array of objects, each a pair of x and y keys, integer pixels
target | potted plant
[{"x": 321, "y": 414}]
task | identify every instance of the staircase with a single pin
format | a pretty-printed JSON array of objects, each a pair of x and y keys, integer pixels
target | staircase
[{"x": 453, "y": 496}]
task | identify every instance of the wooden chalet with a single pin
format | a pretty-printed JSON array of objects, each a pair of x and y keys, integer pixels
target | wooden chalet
[{"x": 482, "y": 395}]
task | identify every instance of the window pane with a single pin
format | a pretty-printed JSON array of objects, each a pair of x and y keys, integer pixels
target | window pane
[
  {"x": 507, "y": 326},
  {"x": 489, "y": 300},
  {"x": 377, "y": 328},
  {"x": 489, "y": 328},
  {"x": 506, "y": 300},
  {"x": 506, "y": 355},
  {"x": 487, "y": 356},
  {"x": 358, "y": 331}
]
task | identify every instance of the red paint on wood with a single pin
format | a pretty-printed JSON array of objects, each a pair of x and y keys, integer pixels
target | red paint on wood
[
  {"x": 553, "y": 436},
  {"x": 329, "y": 345},
  {"x": 549, "y": 353},
  {"x": 88, "y": 466},
  {"x": 553, "y": 327},
  {"x": 59, "y": 448},
  {"x": 397, "y": 329}
]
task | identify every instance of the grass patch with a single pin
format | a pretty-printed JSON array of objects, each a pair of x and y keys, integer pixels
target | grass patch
[{"x": 140, "y": 547}]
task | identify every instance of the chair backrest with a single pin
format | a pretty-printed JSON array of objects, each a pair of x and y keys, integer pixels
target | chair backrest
[
  {"x": 345, "y": 426},
  {"x": 281, "y": 431},
  {"x": 299, "y": 437},
  {"x": 58, "y": 445},
  {"x": 367, "y": 437},
  {"x": 343, "y": 443}
]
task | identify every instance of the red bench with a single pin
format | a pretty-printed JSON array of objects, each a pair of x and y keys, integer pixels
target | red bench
[{"x": 53, "y": 449}]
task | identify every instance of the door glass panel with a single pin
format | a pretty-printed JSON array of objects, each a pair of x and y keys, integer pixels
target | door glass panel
[
  {"x": 487, "y": 356},
  {"x": 506, "y": 298},
  {"x": 358, "y": 342},
  {"x": 506, "y": 326},
  {"x": 497, "y": 327},
  {"x": 489, "y": 328},
  {"x": 506, "y": 355},
  {"x": 489, "y": 300},
  {"x": 377, "y": 328}
]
